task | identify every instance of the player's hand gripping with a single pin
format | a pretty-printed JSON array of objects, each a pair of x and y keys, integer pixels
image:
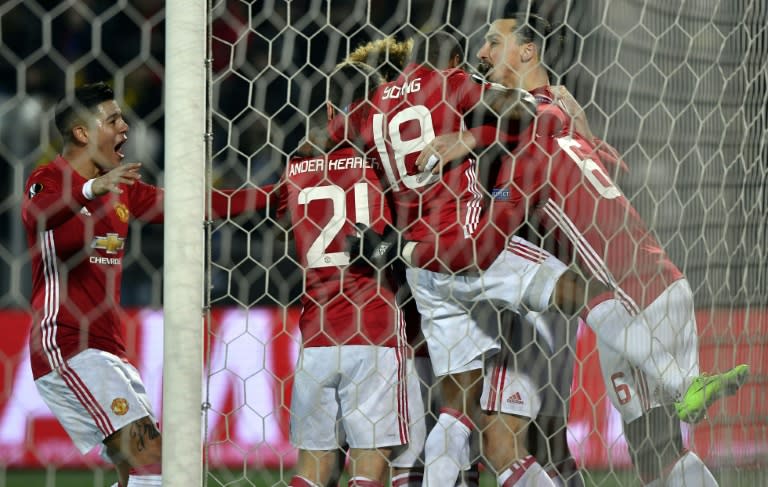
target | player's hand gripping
[
  {"x": 445, "y": 148},
  {"x": 369, "y": 247},
  {"x": 110, "y": 182}
]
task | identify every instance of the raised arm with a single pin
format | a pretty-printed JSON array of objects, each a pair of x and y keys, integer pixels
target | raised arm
[{"x": 49, "y": 202}]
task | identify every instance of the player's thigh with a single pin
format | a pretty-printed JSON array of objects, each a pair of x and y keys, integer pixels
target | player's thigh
[
  {"x": 627, "y": 387},
  {"x": 458, "y": 331},
  {"x": 314, "y": 407},
  {"x": 94, "y": 395},
  {"x": 412, "y": 454},
  {"x": 372, "y": 395},
  {"x": 671, "y": 321},
  {"x": 555, "y": 341}
]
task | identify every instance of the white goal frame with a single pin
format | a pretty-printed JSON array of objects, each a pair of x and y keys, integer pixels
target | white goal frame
[{"x": 185, "y": 196}]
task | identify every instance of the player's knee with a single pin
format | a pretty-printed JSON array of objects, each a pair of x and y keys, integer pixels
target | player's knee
[
  {"x": 655, "y": 442},
  {"x": 138, "y": 444},
  {"x": 462, "y": 391}
]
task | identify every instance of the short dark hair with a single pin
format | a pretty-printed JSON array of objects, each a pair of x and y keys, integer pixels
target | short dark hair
[
  {"x": 351, "y": 82},
  {"x": 436, "y": 49},
  {"x": 531, "y": 28},
  {"x": 74, "y": 109},
  {"x": 548, "y": 38}
]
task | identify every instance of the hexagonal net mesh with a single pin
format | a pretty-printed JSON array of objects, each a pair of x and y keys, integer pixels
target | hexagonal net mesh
[{"x": 680, "y": 91}]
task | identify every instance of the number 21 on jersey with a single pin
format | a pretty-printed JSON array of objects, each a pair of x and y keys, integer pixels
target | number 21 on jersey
[{"x": 317, "y": 255}]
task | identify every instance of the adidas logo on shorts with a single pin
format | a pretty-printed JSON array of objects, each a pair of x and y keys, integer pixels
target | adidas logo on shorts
[{"x": 516, "y": 398}]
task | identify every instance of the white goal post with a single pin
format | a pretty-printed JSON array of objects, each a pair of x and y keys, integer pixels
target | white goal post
[{"x": 185, "y": 189}]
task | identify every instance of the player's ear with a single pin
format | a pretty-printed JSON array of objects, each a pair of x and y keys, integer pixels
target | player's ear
[
  {"x": 455, "y": 61},
  {"x": 329, "y": 110},
  {"x": 527, "y": 52},
  {"x": 80, "y": 134}
]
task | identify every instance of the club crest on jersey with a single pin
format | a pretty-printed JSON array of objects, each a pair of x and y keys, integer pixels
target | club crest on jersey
[
  {"x": 122, "y": 212},
  {"x": 119, "y": 406},
  {"x": 35, "y": 189},
  {"x": 111, "y": 243}
]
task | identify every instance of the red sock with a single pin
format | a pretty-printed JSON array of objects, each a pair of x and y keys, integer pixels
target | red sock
[
  {"x": 463, "y": 418},
  {"x": 363, "y": 482},
  {"x": 299, "y": 481},
  {"x": 408, "y": 479},
  {"x": 517, "y": 470}
]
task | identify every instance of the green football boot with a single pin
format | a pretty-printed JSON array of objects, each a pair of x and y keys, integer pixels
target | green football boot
[{"x": 706, "y": 389}]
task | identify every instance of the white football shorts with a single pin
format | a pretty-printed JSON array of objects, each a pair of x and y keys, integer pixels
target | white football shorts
[
  {"x": 93, "y": 395},
  {"x": 349, "y": 392},
  {"x": 532, "y": 374},
  {"x": 672, "y": 322},
  {"x": 459, "y": 313},
  {"x": 412, "y": 454}
]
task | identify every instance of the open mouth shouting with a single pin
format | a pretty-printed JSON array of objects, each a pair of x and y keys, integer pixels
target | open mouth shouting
[{"x": 119, "y": 147}]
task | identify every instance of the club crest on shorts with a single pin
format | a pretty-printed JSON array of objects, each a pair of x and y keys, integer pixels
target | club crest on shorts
[{"x": 119, "y": 406}]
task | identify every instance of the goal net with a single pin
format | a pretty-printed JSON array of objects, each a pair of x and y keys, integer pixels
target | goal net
[{"x": 679, "y": 88}]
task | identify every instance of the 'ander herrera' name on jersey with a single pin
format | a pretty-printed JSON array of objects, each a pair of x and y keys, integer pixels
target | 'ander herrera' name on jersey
[{"x": 299, "y": 166}]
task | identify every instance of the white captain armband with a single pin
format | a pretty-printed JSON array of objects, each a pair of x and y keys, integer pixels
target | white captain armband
[{"x": 88, "y": 190}]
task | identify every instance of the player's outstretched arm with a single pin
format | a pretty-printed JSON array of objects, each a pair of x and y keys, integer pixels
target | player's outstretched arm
[
  {"x": 498, "y": 118},
  {"x": 49, "y": 202}
]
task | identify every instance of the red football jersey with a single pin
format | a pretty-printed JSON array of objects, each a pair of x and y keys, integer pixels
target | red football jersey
[
  {"x": 406, "y": 115},
  {"x": 557, "y": 182},
  {"x": 342, "y": 304},
  {"x": 77, "y": 248}
]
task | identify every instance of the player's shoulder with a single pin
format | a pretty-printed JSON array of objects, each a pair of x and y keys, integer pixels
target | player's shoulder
[
  {"x": 551, "y": 120},
  {"x": 46, "y": 169},
  {"x": 45, "y": 176}
]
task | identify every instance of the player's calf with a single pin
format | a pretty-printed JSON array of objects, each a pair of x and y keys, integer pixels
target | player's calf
[
  {"x": 504, "y": 438},
  {"x": 655, "y": 442}
]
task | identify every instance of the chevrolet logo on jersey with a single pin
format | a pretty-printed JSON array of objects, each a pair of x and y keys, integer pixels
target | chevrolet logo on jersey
[{"x": 110, "y": 242}]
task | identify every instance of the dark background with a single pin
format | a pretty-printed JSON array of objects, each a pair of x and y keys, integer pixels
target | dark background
[{"x": 680, "y": 88}]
